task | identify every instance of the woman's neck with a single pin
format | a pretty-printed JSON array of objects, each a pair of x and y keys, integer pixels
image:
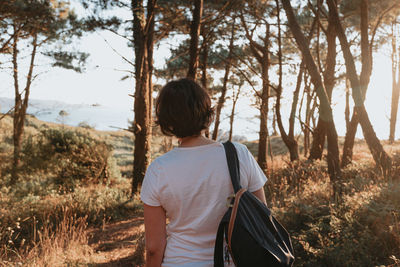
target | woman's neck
[{"x": 196, "y": 140}]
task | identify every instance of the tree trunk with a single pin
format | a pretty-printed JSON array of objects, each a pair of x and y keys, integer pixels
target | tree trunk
[
  {"x": 150, "y": 48},
  {"x": 204, "y": 58},
  {"x": 318, "y": 141},
  {"x": 261, "y": 53},
  {"x": 274, "y": 131},
  {"x": 349, "y": 140},
  {"x": 320, "y": 131},
  {"x": 221, "y": 99},
  {"x": 395, "y": 85},
  {"x": 263, "y": 134},
  {"x": 325, "y": 108},
  {"x": 194, "y": 39},
  {"x": 17, "y": 134},
  {"x": 295, "y": 100},
  {"x": 347, "y": 108},
  {"x": 235, "y": 98},
  {"x": 306, "y": 127},
  {"x": 384, "y": 162},
  {"x": 289, "y": 141},
  {"x": 143, "y": 36},
  {"x": 20, "y": 105},
  {"x": 382, "y": 159}
]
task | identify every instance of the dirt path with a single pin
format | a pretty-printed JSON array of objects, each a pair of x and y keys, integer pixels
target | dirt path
[{"x": 119, "y": 244}]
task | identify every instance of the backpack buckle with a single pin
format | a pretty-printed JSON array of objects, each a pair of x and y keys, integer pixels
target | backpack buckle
[{"x": 229, "y": 200}]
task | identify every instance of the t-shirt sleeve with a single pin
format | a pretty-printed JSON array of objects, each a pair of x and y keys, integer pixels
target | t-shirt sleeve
[
  {"x": 256, "y": 177},
  {"x": 150, "y": 192}
]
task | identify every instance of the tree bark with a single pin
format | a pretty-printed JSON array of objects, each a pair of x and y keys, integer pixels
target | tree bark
[
  {"x": 395, "y": 85},
  {"x": 194, "y": 39},
  {"x": 382, "y": 159},
  {"x": 221, "y": 99},
  {"x": 325, "y": 107},
  {"x": 143, "y": 30}
]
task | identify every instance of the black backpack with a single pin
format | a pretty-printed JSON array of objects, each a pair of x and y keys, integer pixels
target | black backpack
[{"x": 254, "y": 237}]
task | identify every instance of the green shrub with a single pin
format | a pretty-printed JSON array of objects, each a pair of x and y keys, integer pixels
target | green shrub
[{"x": 71, "y": 156}]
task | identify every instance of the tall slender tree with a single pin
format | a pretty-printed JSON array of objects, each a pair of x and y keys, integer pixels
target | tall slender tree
[
  {"x": 143, "y": 31},
  {"x": 221, "y": 99},
  {"x": 194, "y": 39}
]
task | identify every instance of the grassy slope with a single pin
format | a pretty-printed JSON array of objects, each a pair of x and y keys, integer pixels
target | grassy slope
[{"x": 361, "y": 228}]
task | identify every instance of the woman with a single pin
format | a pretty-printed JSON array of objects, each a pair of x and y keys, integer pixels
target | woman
[{"x": 190, "y": 184}]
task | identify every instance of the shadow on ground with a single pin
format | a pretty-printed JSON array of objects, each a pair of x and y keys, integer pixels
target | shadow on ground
[{"x": 119, "y": 244}]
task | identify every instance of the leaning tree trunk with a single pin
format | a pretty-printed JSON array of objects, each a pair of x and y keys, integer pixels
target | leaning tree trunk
[
  {"x": 381, "y": 158},
  {"x": 143, "y": 30},
  {"x": 194, "y": 39},
  {"x": 395, "y": 86},
  {"x": 325, "y": 107},
  {"x": 21, "y": 105},
  {"x": 317, "y": 146}
]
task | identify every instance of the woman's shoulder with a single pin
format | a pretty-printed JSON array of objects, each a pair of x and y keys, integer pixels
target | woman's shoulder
[
  {"x": 240, "y": 148},
  {"x": 163, "y": 159}
]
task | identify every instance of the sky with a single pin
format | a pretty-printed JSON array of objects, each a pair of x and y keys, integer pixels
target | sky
[{"x": 101, "y": 84}]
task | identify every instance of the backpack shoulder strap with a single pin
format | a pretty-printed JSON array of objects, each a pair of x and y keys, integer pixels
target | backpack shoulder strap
[
  {"x": 219, "y": 246},
  {"x": 233, "y": 164}
]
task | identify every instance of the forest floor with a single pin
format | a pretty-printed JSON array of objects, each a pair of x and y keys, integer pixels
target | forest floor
[
  {"x": 91, "y": 224},
  {"x": 119, "y": 243}
]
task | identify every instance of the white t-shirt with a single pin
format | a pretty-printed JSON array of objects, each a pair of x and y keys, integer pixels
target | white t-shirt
[{"x": 192, "y": 185}]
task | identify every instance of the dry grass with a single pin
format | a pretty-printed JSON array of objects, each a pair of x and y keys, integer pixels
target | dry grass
[
  {"x": 65, "y": 245},
  {"x": 97, "y": 225}
]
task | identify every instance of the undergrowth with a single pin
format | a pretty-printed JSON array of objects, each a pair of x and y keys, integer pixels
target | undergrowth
[
  {"x": 360, "y": 227},
  {"x": 44, "y": 217},
  {"x": 68, "y": 181}
]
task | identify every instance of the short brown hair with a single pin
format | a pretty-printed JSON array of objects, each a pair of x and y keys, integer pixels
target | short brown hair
[{"x": 183, "y": 108}]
